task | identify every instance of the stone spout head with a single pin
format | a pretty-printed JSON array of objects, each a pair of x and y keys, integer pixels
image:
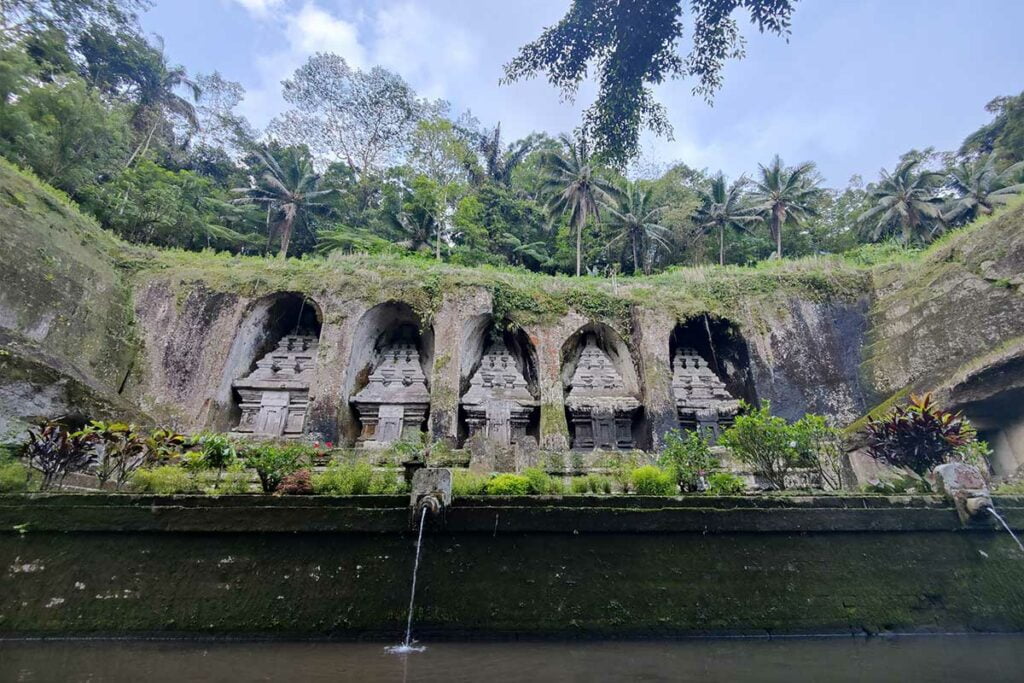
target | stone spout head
[{"x": 977, "y": 506}]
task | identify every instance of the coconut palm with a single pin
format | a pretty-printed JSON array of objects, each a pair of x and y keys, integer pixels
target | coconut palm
[
  {"x": 632, "y": 217},
  {"x": 784, "y": 196},
  {"x": 158, "y": 97},
  {"x": 905, "y": 199},
  {"x": 722, "y": 209},
  {"x": 499, "y": 160},
  {"x": 519, "y": 249},
  {"x": 982, "y": 186},
  {"x": 417, "y": 227},
  {"x": 575, "y": 187},
  {"x": 288, "y": 187}
]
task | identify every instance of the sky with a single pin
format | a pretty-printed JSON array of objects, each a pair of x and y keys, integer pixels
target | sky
[{"x": 857, "y": 84}]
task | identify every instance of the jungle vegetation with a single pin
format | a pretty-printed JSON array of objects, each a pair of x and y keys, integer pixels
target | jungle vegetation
[{"x": 359, "y": 162}]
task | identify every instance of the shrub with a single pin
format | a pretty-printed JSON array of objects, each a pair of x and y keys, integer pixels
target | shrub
[
  {"x": 764, "y": 442},
  {"x": 468, "y": 483},
  {"x": 653, "y": 481},
  {"x": 124, "y": 450},
  {"x": 689, "y": 458},
  {"x": 273, "y": 462},
  {"x": 386, "y": 483},
  {"x": 340, "y": 479},
  {"x": 592, "y": 483},
  {"x": 216, "y": 450},
  {"x": 820, "y": 447},
  {"x": 55, "y": 452},
  {"x": 231, "y": 480},
  {"x": 540, "y": 483},
  {"x": 508, "y": 485},
  {"x": 725, "y": 484},
  {"x": 297, "y": 483},
  {"x": 14, "y": 476},
  {"x": 918, "y": 436},
  {"x": 580, "y": 485},
  {"x": 164, "y": 479}
]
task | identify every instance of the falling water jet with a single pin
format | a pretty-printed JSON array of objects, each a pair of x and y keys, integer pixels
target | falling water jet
[
  {"x": 1007, "y": 527},
  {"x": 407, "y": 645}
]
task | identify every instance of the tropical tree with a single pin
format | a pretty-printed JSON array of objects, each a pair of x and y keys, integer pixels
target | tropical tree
[
  {"x": 575, "y": 187},
  {"x": 288, "y": 187},
  {"x": 784, "y": 196},
  {"x": 982, "y": 186},
  {"x": 632, "y": 217},
  {"x": 631, "y": 46},
  {"x": 905, "y": 199},
  {"x": 416, "y": 229},
  {"x": 518, "y": 249},
  {"x": 499, "y": 160},
  {"x": 722, "y": 209},
  {"x": 158, "y": 99}
]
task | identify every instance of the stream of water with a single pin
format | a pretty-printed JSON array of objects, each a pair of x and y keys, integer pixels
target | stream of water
[
  {"x": 1007, "y": 527},
  {"x": 406, "y": 647},
  {"x": 992, "y": 659}
]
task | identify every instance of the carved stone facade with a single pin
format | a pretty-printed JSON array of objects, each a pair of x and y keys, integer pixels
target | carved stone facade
[
  {"x": 702, "y": 401},
  {"x": 395, "y": 402},
  {"x": 274, "y": 397},
  {"x": 600, "y": 407},
  {"x": 498, "y": 404}
]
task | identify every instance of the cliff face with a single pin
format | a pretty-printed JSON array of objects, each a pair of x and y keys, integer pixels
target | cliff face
[
  {"x": 952, "y": 322},
  {"x": 66, "y": 324},
  {"x": 94, "y": 327}
]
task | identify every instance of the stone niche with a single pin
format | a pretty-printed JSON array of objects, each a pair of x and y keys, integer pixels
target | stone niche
[
  {"x": 275, "y": 367},
  {"x": 498, "y": 405},
  {"x": 273, "y": 398},
  {"x": 702, "y": 401},
  {"x": 600, "y": 407},
  {"x": 394, "y": 403}
]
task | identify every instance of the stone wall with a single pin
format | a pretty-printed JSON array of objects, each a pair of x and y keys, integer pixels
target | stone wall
[{"x": 586, "y": 567}]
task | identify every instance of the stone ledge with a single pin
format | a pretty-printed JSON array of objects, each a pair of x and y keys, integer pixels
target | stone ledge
[{"x": 490, "y": 514}]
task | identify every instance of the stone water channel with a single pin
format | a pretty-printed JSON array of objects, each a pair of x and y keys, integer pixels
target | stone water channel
[{"x": 990, "y": 658}]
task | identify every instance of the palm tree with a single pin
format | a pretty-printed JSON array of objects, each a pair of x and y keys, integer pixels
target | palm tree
[
  {"x": 287, "y": 186},
  {"x": 499, "y": 160},
  {"x": 722, "y": 208},
  {"x": 417, "y": 227},
  {"x": 905, "y": 199},
  {"x": 575, "y": 187},
  {"x": 633, "y": 218},
  {"x": 158, "y": 97},
  {"x": 518, "y": 249},
  {"x": 784, "y": 196},
  {"x": 981, "y": 186}
]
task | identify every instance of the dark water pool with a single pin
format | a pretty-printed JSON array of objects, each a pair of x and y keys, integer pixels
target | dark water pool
[{"x": 909, "y": 658}]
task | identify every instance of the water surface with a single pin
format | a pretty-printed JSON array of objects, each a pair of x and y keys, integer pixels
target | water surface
[{"x": 907, "y": 658}]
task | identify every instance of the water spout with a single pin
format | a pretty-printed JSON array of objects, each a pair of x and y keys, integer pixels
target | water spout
[
  {"x": 1007, "y": 527},
  {"x": 407, "y": 644}
]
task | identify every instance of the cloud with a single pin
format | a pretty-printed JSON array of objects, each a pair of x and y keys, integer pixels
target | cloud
[
  {"x": 309, "y": 30},
  {"x": 426, "y": 50},
  {"x": 259, "y": 7}
]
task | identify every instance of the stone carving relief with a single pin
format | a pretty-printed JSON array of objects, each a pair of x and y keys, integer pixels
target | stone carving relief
[
  {"x": 394, "y": 403},
  {"x": 600, "y": 407},
  {"x": 274, "y": 397},
  {"x": 498, "y": 404},
  {"x": 702, "y": 401}
]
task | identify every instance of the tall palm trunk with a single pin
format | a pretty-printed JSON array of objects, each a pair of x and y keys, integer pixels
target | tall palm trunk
[
  {"x": 778, "y": 217},
  {"x": 721, "y": 245},
  {"x": 636, "y": 263},
  {"x": 286, "y": 235},
  {"x": 579, "y": 247}
]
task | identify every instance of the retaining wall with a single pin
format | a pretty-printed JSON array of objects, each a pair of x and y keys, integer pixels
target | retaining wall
[{"x": 503, "y": 567}]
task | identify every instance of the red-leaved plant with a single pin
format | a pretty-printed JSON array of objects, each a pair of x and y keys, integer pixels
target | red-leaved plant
[{"x": 918, "y": 436}]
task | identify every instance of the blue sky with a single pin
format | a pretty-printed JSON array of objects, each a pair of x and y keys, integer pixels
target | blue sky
[{"x": 857, "y": 84}]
